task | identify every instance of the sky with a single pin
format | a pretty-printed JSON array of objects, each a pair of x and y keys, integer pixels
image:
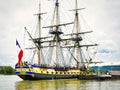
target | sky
[{"x": 103, "y": 16}]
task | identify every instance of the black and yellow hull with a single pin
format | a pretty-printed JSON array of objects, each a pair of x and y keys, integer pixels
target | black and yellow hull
[
  {"x": 38, "y": 76},
  {"x": 42, "y": 73}
]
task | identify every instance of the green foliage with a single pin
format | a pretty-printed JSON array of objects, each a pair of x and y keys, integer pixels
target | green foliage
[
  {"x": 7, "y": 70},
  {"x": 90, "y": 70},
  {"x": 101, "y": 71}
]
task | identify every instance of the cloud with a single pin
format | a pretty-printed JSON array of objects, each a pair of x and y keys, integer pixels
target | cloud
[
  {"x": 13, "y": 18},
  {"x": 107, "y": 30}
]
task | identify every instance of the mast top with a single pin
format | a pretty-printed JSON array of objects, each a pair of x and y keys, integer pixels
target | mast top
[
  {"x": 77, "y": 9},
  {"x": 39, "y": 12}
]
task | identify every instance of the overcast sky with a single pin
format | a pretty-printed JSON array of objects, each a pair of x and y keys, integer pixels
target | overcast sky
[{"x": 103, "y": 16}]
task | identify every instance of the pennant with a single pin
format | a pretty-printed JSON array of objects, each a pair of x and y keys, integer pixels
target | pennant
[
  {"x": 17, "y": 44},
  {"x": 20, "y": 54}
]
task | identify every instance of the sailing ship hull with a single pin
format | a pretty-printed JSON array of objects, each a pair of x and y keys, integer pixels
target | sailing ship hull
[
  {"x": 39, "y": 76},
  {"x": 39, "y": 73}
]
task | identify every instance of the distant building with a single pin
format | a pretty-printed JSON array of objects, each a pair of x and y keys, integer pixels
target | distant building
[
  {"x": 115, "y": 72},
  {"x": 113, "y": 69}
]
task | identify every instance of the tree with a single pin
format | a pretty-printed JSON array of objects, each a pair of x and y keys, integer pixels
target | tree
[{"x": 7, "y": 70}]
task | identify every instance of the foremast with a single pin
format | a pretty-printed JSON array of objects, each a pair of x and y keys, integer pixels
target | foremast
[
  {"x": 38, "y": 40},
  {"x": 39, "y": 32}
]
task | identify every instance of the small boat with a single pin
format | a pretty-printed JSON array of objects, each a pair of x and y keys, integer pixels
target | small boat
[{"x": 104, "y": 77}]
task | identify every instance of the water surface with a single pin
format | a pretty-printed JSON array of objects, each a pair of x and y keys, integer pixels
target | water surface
[{"x": 15, "y": 83}]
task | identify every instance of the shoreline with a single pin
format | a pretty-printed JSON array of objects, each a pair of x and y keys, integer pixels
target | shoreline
[{"x": 96, "y": 77}]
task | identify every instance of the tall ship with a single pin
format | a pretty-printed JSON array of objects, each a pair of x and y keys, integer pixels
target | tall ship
[{"x": 62, "y": 53}]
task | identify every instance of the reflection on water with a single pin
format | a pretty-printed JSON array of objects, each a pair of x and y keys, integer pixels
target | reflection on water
[
  {"x": 72, "y": 84},
  {"x": 48, "y": 85}
]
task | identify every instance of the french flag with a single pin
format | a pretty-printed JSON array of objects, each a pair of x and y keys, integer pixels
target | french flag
[{"x": 20, "y": 54}]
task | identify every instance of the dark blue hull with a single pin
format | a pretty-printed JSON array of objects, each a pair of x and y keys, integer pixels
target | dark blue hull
[{"x": 38, "y": 76}]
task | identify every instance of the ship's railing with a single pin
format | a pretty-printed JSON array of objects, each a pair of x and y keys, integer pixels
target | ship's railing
[{"x": 44, "y": 66}]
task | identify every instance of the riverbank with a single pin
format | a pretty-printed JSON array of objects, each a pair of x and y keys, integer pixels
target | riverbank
[{"x": 96, "y": 77}]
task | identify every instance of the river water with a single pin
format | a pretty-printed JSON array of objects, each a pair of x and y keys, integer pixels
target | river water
[{"x": 13, "y": 82}]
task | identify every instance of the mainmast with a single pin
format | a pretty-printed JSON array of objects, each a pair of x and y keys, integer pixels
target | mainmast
[
  {"x": 56, "y": 32},
  {"x": 57, "y": 22},
  {"x": 77, "y": 42}
]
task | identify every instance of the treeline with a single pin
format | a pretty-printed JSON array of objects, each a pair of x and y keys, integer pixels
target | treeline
[{"x": 7, "y": 70}]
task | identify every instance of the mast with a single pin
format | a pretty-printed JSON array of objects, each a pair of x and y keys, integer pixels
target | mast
[
  {"x": 76, "y": 16},
  {"x": 57, "y": 12},
  {"x": 57, "y": 32},
  {"x": 77, "y": 44},
  {"x": 57, "y": 27},
  {"x": 39, "y": 32},
  {"x": 78, "y": 38}
]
